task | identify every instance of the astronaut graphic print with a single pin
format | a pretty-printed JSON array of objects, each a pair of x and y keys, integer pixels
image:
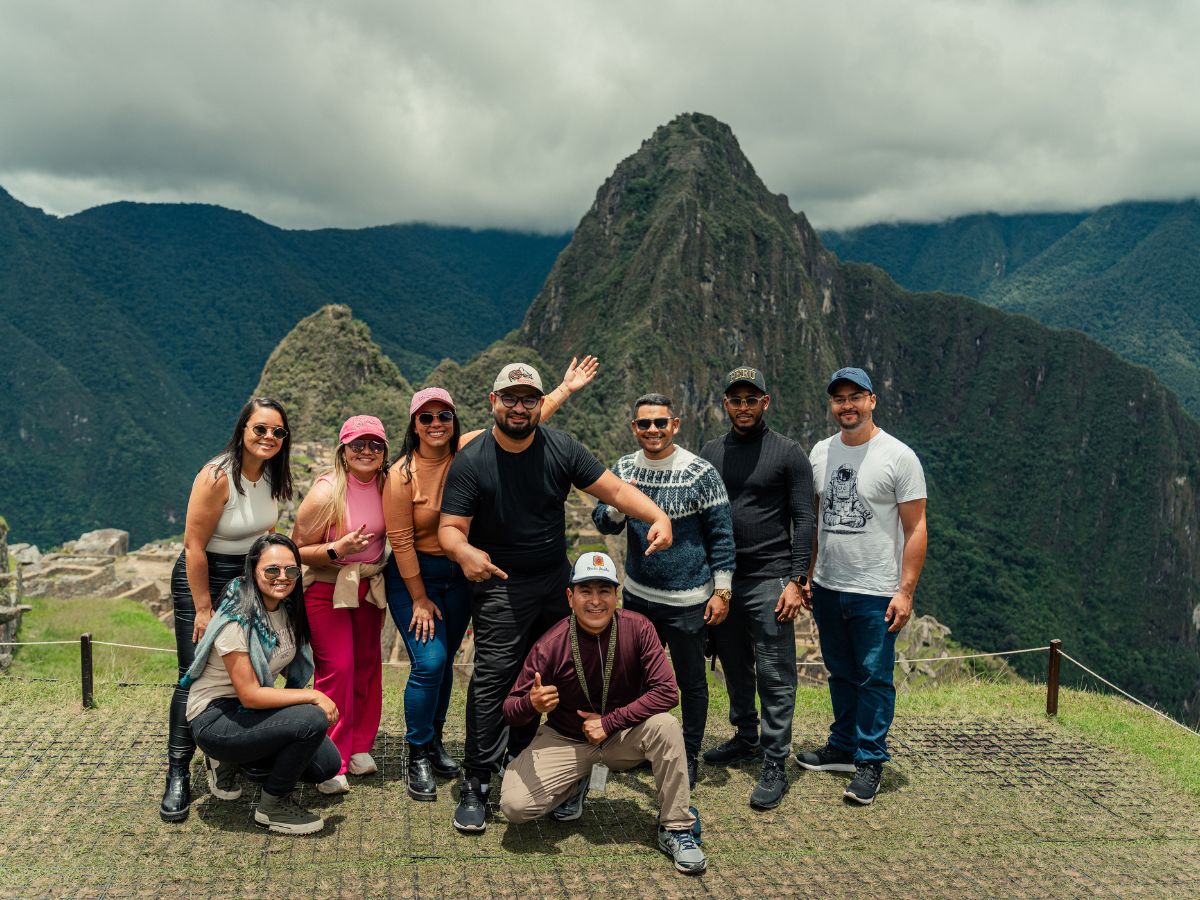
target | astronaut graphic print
[{"x": 842, "y": 510}]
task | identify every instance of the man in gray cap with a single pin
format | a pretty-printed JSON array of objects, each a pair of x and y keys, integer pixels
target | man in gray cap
[
  {"x": 603, "y": 682},
  {"x": 503, "y": 523},
  {"x": 770, "y": 488},
  {"x": 871, "y": 549}
]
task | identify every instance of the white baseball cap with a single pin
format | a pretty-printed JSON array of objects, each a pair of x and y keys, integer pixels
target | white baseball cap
[
  {"x": 594, "y": 567},
  {"x": 516, "y": 375}
]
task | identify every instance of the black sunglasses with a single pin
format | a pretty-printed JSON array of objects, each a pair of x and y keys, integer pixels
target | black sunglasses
[
  {"x": 426, "y": 418},
  {"x": 359, "y": 444},
  {"x": 511, "y": 400},
  {"x": 644, "y": 424},
  {"x": 291, "y": 573},
  {"x": 261, "y": 430}
]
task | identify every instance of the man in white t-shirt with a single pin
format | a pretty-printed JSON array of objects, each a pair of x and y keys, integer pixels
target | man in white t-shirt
[{"x": 871, "y": 542}]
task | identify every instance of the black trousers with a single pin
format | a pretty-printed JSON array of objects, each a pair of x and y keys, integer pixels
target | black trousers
[
  {"x": 682, "y": 629},
  {"x": 290, "y": 742},
  {"x": 508, "y": 617},
  {"x": 222, "y": 568}
]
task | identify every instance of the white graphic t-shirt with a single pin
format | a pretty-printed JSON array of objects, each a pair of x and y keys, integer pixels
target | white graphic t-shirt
[{"x": 860, "y": 542}]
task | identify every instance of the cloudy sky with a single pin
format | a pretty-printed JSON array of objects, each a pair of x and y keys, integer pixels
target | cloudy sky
[{"x": 510, "y": 114}]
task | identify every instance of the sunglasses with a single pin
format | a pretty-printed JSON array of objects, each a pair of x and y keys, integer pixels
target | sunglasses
[
  {"x": 261, "y": 430},
  {"x": 426, "y": 418},
  {"x": 644, "y": 424},
  {"x": 511, "y": 400},
  {"x": 359, "y": 444},
  {"x": 748, "y": 402},
  {"x": 287, "y": 573}
]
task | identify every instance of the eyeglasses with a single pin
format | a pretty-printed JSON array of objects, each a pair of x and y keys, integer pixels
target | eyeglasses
[
  {"x": 855, "y": 398},
  {"x": 644, "y": 424},
  {"x": 528, "y": 402},
  {"x": 287, "y": 573},
  {"x": 261, "y": 430},
  {"x": 748, "y": 402},
  {"x": 359, "y": 444},
  {"x": 446, "y": 415}
]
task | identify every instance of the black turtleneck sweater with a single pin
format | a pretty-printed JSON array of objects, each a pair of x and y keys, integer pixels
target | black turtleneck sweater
[{"x": 770, "y": 486}]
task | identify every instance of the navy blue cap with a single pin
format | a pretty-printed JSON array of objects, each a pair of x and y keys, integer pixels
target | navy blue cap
[{"x": 854, "y": 376}]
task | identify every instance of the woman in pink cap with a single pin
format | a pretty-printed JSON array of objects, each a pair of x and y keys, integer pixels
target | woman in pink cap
[
  {"x": 429, "y": 598},
  {"x": 341, "y": 535}
]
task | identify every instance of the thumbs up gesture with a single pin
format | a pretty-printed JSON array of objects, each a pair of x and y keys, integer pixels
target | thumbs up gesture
[{"x": 544, "y": 697}]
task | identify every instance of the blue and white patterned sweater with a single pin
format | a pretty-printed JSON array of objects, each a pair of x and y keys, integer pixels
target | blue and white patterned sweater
[{"x": 690, "y": 491}]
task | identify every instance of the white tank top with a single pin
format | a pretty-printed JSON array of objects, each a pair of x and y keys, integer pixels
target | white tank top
[{"x": 245, "y": 517}]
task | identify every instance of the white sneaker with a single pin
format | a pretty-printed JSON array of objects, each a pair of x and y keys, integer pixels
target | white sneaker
[
  {"x": 362, "y": 764},
  {"x": 338, "y": 784}
]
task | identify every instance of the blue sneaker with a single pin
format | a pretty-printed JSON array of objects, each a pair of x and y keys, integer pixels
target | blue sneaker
[{"x": 572, "y": 808}]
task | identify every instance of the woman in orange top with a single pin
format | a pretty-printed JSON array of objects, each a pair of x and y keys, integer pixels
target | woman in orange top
[{"x": 429, "y": 598}]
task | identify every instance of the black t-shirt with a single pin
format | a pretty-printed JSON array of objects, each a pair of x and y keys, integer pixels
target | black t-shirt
[{"x": 515, "y": 500}]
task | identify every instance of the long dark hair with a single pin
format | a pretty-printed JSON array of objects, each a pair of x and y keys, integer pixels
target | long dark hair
[
  {"x": 408, "y": 447},
  {"x": 279, "y": 466},
  {"x": 248, "y": 601}
]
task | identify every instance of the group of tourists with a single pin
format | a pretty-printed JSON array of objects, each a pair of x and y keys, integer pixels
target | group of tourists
[{"x": 723, "y": 551}]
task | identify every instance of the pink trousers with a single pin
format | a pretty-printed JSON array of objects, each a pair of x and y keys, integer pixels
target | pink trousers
[{"x": 345, "y": 645}]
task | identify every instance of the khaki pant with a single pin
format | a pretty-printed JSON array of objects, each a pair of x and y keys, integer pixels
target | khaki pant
[{"x": 546, "y": 772}]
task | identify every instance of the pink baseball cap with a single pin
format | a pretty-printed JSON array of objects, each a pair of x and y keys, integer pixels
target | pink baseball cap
[
  {"x": 423, "y": 396},
  {"x": 359, "y": 426}
]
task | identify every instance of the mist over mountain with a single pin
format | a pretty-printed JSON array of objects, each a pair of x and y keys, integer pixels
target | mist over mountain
[
  {"x": 132, "y": 333},
  {"x": 1128, "y": 275}
]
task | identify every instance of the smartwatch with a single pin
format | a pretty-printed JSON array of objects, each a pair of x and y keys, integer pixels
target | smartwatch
[
  {"x": 332, "y": 553},
  {"x": 801, "y": 580}
]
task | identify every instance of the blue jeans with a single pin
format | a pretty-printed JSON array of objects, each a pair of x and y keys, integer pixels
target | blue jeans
[
  {"x": 859, "y": 653},
  {"x": 427, "y": 694}
]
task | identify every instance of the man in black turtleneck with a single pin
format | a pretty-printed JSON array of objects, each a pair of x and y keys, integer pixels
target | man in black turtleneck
[{"x": 770, "y": 486}]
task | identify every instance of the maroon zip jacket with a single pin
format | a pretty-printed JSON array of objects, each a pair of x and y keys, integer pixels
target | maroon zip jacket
[{"x": 642, "y": 683}]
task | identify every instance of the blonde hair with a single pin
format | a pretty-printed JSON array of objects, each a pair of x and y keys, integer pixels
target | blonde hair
[{"x": 333, "y": 511}]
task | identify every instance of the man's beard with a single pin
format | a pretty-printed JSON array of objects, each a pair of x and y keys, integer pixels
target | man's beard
[{"x": 518, "y": 432}]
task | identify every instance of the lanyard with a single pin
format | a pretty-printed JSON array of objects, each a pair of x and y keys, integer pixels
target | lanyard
[{"x": 608, "y": 663}]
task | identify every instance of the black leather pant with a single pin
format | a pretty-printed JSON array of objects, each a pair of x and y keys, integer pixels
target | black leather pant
[{"x": 222, "y": 568}]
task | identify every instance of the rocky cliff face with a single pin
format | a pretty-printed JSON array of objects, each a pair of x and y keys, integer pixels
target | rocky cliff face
[{"x": 1063, "y": 481}]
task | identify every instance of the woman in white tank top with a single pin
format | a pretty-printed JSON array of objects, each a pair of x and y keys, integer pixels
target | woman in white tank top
[{"x": 234, "y": 500}]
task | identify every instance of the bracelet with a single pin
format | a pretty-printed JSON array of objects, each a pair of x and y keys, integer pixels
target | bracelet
[{"x": 724, "y": 593}]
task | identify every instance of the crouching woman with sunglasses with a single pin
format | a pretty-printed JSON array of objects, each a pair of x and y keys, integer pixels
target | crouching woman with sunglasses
[
  {"x": 235, "y": 499},
  {"x": 237, "y": 716},
  {"x": 340, "y": 532}
]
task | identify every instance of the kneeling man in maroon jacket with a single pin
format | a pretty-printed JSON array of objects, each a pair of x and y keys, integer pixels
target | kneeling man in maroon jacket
[{"x": 601, "y": 678}]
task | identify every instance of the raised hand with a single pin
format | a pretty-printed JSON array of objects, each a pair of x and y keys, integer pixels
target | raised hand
[
  {"x": 580, "y": 376},
  {"x": 354, "y": 541},
  {"x": 544, "y": 697}
]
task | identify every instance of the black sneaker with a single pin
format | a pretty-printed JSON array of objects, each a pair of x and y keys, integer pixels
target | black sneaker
[
  {"x": 470, "y": 816},
  {"x": 865, "y": 784},
  {"x": 826, "y": 759},
  {"x": 572, "y": 808},
  {"x": 222, "y": 779},
  {"x": 736, "y": 749},
  {"x": 772, "y": 785},
  {"x": 692, "y": 771}
]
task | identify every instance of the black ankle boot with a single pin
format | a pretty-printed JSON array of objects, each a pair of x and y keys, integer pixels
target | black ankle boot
[
  {"x": 178, "y": 795},
  {"x": 443, "y": 763},
  {"x": 421, "y": 785}
]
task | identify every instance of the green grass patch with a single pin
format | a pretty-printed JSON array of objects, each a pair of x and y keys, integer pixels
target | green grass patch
[{"x": 117, "y": 621}]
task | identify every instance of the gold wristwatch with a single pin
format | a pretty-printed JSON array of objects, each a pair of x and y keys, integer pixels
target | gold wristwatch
[{"x": 724, "y": 593}]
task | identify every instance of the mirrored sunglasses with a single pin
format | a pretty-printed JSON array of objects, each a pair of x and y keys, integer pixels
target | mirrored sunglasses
[
  {"x": 446, "y": 415},
  {"x": 288, "y": 573}
]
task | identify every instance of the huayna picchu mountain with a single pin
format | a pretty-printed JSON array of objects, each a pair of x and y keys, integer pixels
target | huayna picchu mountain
[{"x": 1063, "y": 480}]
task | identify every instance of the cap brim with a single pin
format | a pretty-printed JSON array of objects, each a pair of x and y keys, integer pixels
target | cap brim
[{"x": 603, "y": 578}]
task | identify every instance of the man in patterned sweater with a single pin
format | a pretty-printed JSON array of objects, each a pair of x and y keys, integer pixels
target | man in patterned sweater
[{"x": 687, "y": 588}]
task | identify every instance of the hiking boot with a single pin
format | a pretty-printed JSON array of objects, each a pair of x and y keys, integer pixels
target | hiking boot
[
  {"x": 421, "y": 785},
  {"x": 444, "y": 765},
  {"x": 177, "y": 796},
  {"x": 826, "y": 759},
  {"x": 470, "y": 816},
  {"x": 683, "y": 850},
  {"x": 282, "y": 815},
  {"x": 692, "y": 770},
  {"x": 736, "y": 749},
  {"x": 572, "y": 808},
  {"x": 338, "y": 784},
  {"x": 865, "y": 784},
  {"x": 772, "y": 785},
  {"x": 222, "y": 779},
  {"x": 362, "y": 764}
]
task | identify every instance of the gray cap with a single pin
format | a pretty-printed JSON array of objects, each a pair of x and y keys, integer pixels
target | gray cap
[
  {"x": 517, "y": 374},
  {"x": 747, "y": 375}
]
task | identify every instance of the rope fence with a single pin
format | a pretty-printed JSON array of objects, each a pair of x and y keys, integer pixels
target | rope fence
[{"x": 1054, "y": 651}]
